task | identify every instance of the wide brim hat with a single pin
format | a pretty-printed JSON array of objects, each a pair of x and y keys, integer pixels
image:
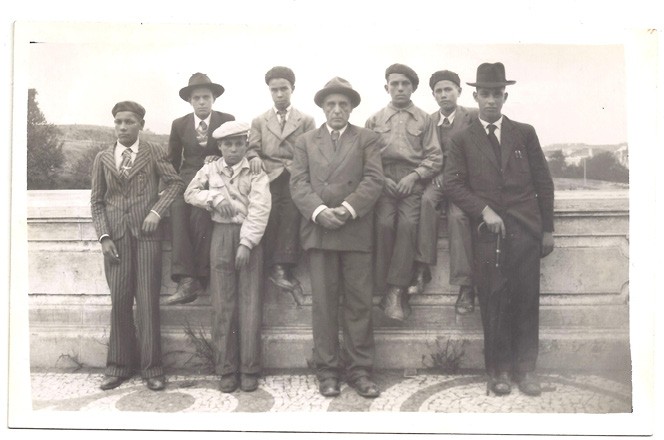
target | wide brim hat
[
  {"x": 491, "y": 75},
  {"x": 201, "y": 80},
  {"x": 337, "y": 85}
]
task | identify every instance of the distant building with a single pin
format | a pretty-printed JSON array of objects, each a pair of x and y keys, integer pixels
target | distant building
[
  {"x": 575, "y": 157},
  {"x": 622, "y": 156}
]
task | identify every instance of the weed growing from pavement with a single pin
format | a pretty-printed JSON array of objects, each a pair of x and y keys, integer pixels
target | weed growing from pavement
[
  {"x": 73, "y": 358},
  {"x": 448, "y": 356},
  {"x": 203, "y": 350}
]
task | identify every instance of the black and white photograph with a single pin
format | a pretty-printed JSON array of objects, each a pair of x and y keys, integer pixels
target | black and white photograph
[{"x": 321, "y": 220}]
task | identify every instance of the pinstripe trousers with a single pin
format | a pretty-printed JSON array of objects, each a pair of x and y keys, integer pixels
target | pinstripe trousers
[
  {"x": 237, "y": 309},
  {"x": 137, "y": 276}
]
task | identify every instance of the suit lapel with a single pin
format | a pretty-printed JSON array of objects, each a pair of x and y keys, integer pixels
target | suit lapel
[
  {"x": 273, "y": 124},
  {"x": 326, "y": 150},
  {"x": 481, "y": 142},
  {"x": 292, "y": 123},
  {"x": 507, "y": 141},
  {"x": 215, "y": 122},
  {"x": 108, "y": 159},
  {"x": 142, "y": 158},
  {"x": 346, "y": 144}
]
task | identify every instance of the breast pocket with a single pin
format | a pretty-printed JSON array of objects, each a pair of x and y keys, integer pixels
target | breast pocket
[
  {"x": 142, "y": 179},
  {"x": 519, "y": 161}
]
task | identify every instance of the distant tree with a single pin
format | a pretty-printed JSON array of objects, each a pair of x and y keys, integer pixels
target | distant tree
[
  {"x": 557, "y": 163},
  {"x": 81, "y": 171},
  {"x": 44, "y": 148},
  {"x": 605, "y": 166}
]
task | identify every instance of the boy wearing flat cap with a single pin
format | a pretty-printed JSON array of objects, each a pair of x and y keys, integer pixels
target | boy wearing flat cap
[
  {"x": 497, "y": 173},
  {"x": 271, "y": 140},
  {"x": 239, "y": 202},
  {"x": 411, "y": 156},
  {"x": 126, "y": 211},
  {"x": 448, "y": 120},
  {"x": 189, "y": 144}
]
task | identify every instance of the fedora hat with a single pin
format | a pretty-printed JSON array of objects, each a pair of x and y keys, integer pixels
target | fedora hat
[
  {"x": 337, "y": 85},
  {"x": 491, "y": 75},
  {"x": 200, "y": 80}
]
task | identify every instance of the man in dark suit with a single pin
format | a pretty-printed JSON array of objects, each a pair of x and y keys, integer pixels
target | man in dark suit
[
  {"x": 336, "y": 179},
  {"x": 126, "y": 211},
  {"x": 189, "y": 143},
  {"x": 449, "y": 120},
  {"x": 498, "y": 175}
]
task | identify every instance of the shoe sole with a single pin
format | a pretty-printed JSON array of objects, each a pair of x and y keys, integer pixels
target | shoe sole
[{"x": 184, "y": 300}]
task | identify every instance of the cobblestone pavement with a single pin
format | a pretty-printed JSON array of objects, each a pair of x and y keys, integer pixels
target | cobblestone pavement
[{"x": 298, "y": 391}]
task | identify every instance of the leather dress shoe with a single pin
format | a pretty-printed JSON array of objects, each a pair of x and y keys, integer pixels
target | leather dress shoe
[
  {"x": 228, "y": 383},
  {"x": 365, "y": 387},
  {"x": 329, "y": 387},
  {"x": 248, "y": 382},
  {"x": 530, "y": 385},
  {"x": 405, "y": 306},
  {"x": 156, "y": 383},
  {"x": 187, "y": 291},
  {"x": 280, "y": 277},
  {"x": 500, "y": 384},
  {"x": 465, "y": 302},
  {"x": 422, "y": 276},
  {"x": 111, "y": 382},
  {"x": 391, "y": 303}
]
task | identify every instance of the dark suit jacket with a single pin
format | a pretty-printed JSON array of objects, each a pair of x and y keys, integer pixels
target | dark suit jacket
[
  {"x": 119, "y": 205},
  {"x": 523, "y": 190},
  {"x": 462, "y": 119},
  {"x": 184, "y": 152},
  {"x": 322, "y": 177}
]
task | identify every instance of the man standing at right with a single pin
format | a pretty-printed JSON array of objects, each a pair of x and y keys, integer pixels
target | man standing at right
[{"x": 497, "y": 173}]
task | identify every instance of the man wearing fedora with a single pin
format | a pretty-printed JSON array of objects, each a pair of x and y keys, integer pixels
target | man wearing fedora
[
  {"x": 449, "y": 120},
  {"x": 497, "y": 173},
  {"x": 411, "y": 156},
  {"x": 189, "y": 143},
  {"x": 271, "y": 140},
  {"x": 336, "y": 179}
]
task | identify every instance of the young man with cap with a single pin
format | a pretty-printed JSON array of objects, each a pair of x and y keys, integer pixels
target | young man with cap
[
  {"x": 271, "y": 140},
  {"x": 449, "y": 120},
  {"x": 411, "y": 155},
  {"x": 239, "y": 202},
  {"x": 497, "y": 173},
  {"x": 188, "y": 145},
  {"x": 126, "y": 211},
  {"x": 335, "y": 182}
]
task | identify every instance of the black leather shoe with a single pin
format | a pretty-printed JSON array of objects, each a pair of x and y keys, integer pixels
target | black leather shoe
[
  {"x": 111, "y": 382},
  {"x": 417, "y": 286},
  {"x": 530, "y": 385},
  {"x": 329, "y": 387},
  {"x": 391, "y": 303},
  {"x": 228, "y": 383},
  {"x": 248, "y": 382},
  {"x": 500, "y": 384},
  {"x": 365, "y": 387},
  {"x": 186, "y": 292},
  {"x": 280, "y": 277},
  {"x": 465, "y": 302},
  {"x": 405, "y": 306},
  {"x": 156, "y": 383}
]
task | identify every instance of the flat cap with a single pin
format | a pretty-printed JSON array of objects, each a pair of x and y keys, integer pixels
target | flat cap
[
  {"x": 231, "y": 128},
  {"x": 129, "y": 106},
  {"x": 444, "y": 75},
  {"x": 280, "y": 72},
  {"x": 404, "y": 70}
]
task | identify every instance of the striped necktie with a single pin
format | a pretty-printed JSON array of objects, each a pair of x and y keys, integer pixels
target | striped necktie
[
  {"x": 125, "y": 165},
  {"x": 335, "y": 138},
  {"x": 201, "y": 134},
  {"x": 282, "y": 118}
]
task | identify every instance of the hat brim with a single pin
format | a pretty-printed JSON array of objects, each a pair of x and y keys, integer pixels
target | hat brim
[
  {"x": 216, "y": 89},
  {"x": 491, "y": 84},
  {"x": 352, "y": 94}
]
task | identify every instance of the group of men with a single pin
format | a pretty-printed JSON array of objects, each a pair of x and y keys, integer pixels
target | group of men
[{"x": 362, "y": 202}]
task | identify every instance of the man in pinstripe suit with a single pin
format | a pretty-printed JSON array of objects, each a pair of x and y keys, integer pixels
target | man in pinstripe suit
[{"x": 126, "y": 211}]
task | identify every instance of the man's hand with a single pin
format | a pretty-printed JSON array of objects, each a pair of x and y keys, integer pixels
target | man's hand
[
  {"x": 328, "y": 219},
  {"x": 255, "y": 165},
  {"x": 390, "y": 187},
  {"x": 547, "y": 244},
  {"x": 437, "y": 181},
  {"x": 342, "y": 213},
  {"x": 226, "y": 208},
  {"x": 211, "y": 158},
  {"x": 242, "y": 256},
  {"x": 407, "y": 184},
  {"x": 109, "y": 250},
  {"x": 150, "y": 223},
  {"x": 493, "y": 221}
]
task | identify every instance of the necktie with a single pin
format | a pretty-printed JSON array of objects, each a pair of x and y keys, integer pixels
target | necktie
[
  {"x": 335, "y": 138},
  {"x": 282, "y": 118},
  {"x": 446, "y": 122},
  {"x": 125, "y": 165},
  {"x": 229, "y": 170},
  {"x": 201, "y": 133},
  {"x": 494, "y": 143}
]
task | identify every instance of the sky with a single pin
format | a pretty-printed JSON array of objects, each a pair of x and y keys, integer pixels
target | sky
[{"x": 571, "y": 93}]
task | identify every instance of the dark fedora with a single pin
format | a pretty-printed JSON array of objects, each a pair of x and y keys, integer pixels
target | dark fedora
[
  {"x": 491, "y": 75},
  {"x": 337, "y": 85},
  {"x": 200, "y": 80}
]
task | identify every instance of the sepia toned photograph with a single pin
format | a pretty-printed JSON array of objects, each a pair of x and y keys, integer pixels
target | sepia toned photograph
[{"x": 267, "y": 228}]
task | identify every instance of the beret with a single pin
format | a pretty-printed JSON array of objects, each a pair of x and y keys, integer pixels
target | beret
[
  {"x": 129, "y": 106},
  {"x": 280, "y": 72},
  {"x": 231, "y": 128},
  {"x": 444, "y": 75},
  {"x": 404, "y": 70}
]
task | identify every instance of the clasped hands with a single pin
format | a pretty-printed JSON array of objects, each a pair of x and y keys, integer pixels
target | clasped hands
[
  {"x": 404, "y": 188},
  {"x": 333, "y": 218}
]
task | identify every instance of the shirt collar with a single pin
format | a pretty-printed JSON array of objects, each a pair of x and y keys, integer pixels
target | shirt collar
[
  {"x": 498, "y": 123},
  {"x": 393, "y": 110},
  {"x": 449, "y": 118},
  {"x": 244, "y": 163},
  {"x": 341, "y": 131},
  {"x": 288, "y": 109},
  {"x": 134, "y": 146},
  {"x": 198, "y": 120}
]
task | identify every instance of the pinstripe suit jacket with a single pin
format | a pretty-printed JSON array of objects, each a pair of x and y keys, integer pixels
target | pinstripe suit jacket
[{"x": 120, "y": 205}]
